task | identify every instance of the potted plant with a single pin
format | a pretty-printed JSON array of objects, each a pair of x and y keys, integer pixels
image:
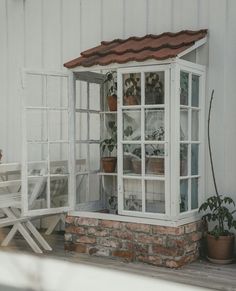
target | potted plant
[
  {"x": 132, "y": 90},
  {"x": 220, "y": 241},
  {"x": 112, "y": 90},
  {"x": 154, "y": 92},
  {"x": 156, "y": 161},
  {"x": 109, "y": 144}
]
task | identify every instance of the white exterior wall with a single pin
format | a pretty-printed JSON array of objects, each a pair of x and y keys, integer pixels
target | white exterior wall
[{"x": 46, "y": 33}]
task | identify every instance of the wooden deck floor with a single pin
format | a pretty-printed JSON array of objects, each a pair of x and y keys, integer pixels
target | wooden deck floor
[{"x": 200, "y": 273}]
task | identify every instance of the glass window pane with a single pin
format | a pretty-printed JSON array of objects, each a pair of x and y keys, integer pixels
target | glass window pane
[
  {"x": 56, "y": 91},
  {"x": 81, "y": 188},
  {"x": 37, "y": 159},
  {"x": 155, "y": 160},
  {"x": 81, "y": 158},
  {"x": 154, "y": 124},
  {"x": 184, "y": 77},
  {"x": 34, "y": 91},
  {"x": 59, "y": 158},
  {"x": 81, "y": 130},
  {"x": 132, "y": 89},
  {"x": 127, "y": 159},
  {"x": 183, "y": 195},
  {"x": 194, "y": 193},
  {"x": 194, "y": 159},
  {"x": 94, "y": 163},
  {"x": 58, "y": 125},
  {"x": 195, "y": 91},
  {"x": 94, "y": 126},
  {"x": 183, "y": 159},
  {"x": 154, "y": 88},
  {"x": 94, "y": 188},
  {"x": 58, "y": 191},
  {"x": 110, "y": 194},
  {"x": 155, "y": 196},
  {"x": 132, "y": 161},
  {"x": 195, "y": 125},
  {"x": 36, "y": 125},
  {"x": 94, "y": 93},
  {"x": 183, "y": 124},
  {"x": 81, "y": 95},
  {"x": 37, "y": 193},
  {"x": 132, "y": 194},
  {"x": 132, "y": 125}
]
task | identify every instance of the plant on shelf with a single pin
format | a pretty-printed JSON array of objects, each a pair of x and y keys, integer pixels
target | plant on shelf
[
  {"x": 154, "y": 89},
  {"x": 111, "y": 81},
  {"x": 108, "y": 145},
  {"x": 156, "y": 161},
  {"x": 220, "y": 241},
  {"x": 132, "y": 90}
]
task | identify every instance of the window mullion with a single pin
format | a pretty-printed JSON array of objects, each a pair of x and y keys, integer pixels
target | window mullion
[
  {"x": 143, "y": 140},
  {"x": 189, "y": 138},
  {"x": 48, "y": 143},
  {"x": 88, "y": 135}
]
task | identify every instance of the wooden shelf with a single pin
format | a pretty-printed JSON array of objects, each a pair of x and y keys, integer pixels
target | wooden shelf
[{"x": 106, "y": 174}]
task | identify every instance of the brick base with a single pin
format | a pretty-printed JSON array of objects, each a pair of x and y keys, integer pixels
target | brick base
[{"x": 157, "y": 245}]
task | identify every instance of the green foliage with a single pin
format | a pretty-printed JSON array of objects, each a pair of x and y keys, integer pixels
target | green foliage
[
  {"x": 112, "y": 83},
  {"x": 132, "y": 87},
  {"x": 219, "y": 213},
  {"x": 110, "y": 143}
]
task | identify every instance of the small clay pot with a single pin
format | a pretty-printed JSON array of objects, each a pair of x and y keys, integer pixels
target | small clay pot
[
  {"x": 109, "y": 164},
  {"x": 137, "y": 166},
  {"x": 112, "y": 102},
  {"x": 220, "y": 250},
  {"x": 130, "y": 100},
  {"x": 156, "y": 165}
]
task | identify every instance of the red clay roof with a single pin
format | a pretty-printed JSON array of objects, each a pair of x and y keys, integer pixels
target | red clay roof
[{"x": 158, "y": 47}]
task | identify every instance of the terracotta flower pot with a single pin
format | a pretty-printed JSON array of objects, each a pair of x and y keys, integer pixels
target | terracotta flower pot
[
  {"x": 220, "y": 250},
  {"x": 137, "y": 166},
  {"x": 112, "y": 102},
  {"x": 109, "y": 164},
  {"x": 156, "y": 166},
  {"x": 130, "y": 100}
]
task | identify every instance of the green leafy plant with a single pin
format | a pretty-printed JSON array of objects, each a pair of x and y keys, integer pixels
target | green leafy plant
[
  {"x": 132, "y": 87},
  {"x": 110, "y": 143},
  {"x": 217, "y": 205},
  {"x": 110, "y": 79},
  {"x": 156, "y": 135},
  {"x": 220, "y": 213}
]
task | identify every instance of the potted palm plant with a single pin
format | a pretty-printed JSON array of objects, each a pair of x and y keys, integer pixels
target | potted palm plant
[
  {"x": 112, "y": 90},
  {"x": 108, "y": 145},
  {"x": 220, "y": 240}
]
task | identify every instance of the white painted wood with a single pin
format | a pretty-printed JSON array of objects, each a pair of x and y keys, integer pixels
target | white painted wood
[
  {"x": 32, "y": 34},
  {"x": 135, "y": 17},
  {"x": 54, "y": 222}
]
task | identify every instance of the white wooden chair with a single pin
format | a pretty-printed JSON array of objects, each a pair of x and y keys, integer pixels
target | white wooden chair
[{"x": 10, "y": 205}]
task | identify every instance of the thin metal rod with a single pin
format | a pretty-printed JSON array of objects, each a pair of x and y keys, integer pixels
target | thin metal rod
[{"x": 209, "y": 145}]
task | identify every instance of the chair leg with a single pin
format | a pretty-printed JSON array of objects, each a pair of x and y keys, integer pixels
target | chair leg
[
  {"x": 38, "y": 236},
  {"x": 9, "y": 236},
  {"x": 35, "y": 232},
  {"x": 54, "y": 223}
]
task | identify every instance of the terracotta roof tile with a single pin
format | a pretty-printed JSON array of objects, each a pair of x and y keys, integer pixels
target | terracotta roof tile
[{"x": 159, "y": 47}]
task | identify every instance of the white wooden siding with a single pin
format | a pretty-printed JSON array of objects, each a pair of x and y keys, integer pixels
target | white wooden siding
[{"x": 46, "y": 33}]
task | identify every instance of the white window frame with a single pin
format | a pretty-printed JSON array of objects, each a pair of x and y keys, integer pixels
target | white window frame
[
  {"x": 199, "y": 70},
  {"x": 70, "y": 141},
  {"x": 120, "y": 142}
]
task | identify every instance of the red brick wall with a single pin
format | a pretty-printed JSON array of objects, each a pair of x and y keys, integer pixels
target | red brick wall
[{"x": 158, "y": 245}]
